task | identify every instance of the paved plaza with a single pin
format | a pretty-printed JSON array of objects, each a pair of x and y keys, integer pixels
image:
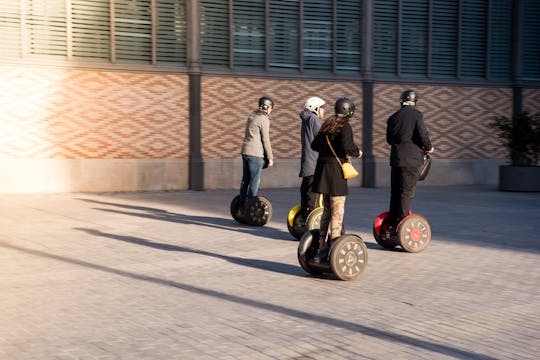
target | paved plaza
[{"x": 169, "y": 275}]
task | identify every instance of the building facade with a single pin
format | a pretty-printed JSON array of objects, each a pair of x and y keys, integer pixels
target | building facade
[{"x": 122, "y": 95}]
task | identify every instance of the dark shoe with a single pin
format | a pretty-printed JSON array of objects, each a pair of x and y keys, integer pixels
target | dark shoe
[
  {"x": 391, "y": 232},
  {"x": 322, "y": 255}
]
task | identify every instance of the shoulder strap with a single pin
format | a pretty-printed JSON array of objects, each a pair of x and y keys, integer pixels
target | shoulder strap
[{"x": 333, "y": 152}]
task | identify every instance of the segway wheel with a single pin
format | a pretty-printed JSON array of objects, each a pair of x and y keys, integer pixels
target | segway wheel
[
  {"x": 294, "y": 226},
  {"x": 348, "y": 257},
  {"x": 414, "y": 233},
  {"x": 235, "y": 204},
  {"x": 307, "y": 249},
  {"x": 314, "y": 218},
  {"x": 258, "y": 211},
  {"x": 379, "y": 228}
]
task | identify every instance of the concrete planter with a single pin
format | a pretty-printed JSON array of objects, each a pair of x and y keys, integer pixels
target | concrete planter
[{"x": 519, "y": 178}]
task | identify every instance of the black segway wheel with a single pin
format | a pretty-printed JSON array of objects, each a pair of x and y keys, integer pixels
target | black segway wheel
[
  {"x": 348, "y": 257},
  {"x": 294, "y": 226},
  {"x": 235, "y": 205},
  {"x": 307, "y": 249},
  {"x": 314, "y": 218},
  {"x": 414, "y": 233},
  {"x": 258, "y": 211}
]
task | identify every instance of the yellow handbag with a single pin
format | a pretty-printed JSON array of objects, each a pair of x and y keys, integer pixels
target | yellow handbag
[{"x": 349, "y": 172}]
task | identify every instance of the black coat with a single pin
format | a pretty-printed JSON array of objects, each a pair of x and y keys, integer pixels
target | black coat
[
  {"x": 408, "y": 136},
  {"x": 328, "y": 178}
]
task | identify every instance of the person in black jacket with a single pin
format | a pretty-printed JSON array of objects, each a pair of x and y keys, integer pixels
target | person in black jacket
[
  {"x": 408, "y": 136},
  {"x": 311, "y": 123},
  {"x": 328, "y": 178}
]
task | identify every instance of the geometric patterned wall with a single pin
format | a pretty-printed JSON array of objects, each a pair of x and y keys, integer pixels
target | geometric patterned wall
[
  {"x": 456, "y": 118},
  {"x": 531, "y": 100},
  {"x": 74, "y": 113},
  {"x": 227, "y": 102}
]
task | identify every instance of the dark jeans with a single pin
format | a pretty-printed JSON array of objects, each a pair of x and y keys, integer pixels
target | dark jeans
[
  {"x": 251, "y": 178},
  {"x": 308, "y": 199},
  {"x": 403, "y": 185}
]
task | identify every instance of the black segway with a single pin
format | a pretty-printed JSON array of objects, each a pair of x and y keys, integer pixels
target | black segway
[
  {"x": 413, "y": 233},
  {"x": 297, "y": 226},
  {"x": 347, "y": 258},
  {"x": 257, "y": 211}
]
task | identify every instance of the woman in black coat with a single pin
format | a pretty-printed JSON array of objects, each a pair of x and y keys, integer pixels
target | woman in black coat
[{"x": 328, "y": 178}]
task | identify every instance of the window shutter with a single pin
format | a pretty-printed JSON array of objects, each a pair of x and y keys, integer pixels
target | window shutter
[
  {"x": 500, "y": 39},
  {"x": 133, "y": 31},
  {"x": 90, "y": 30},
  {"x": 473, "y": 38},
  {"x": 215, "y": 32},
  {"x": 349, "y": 35},
  {"x": 171, "y": 32},
  {"x": 444, "y": 45},
  {"x": 531, "y": 43},
  {"x": 317, "y": 51},
  {"x": 414, "y": 32},
  {"x": 249, "y": 33},
  {"x": 385, "y": 20},
  {"x": 284, "y": 36},
  {"x": 10, "y": 29},
  {"x": 45, "y": 28}
]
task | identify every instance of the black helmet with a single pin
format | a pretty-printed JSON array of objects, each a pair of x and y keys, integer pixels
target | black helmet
[
  {"x": 265, "y": 102},
  {"x": 409, "y": 95},
  {"x": 344, "y": 107}
]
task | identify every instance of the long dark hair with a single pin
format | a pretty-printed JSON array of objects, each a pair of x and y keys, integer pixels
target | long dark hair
[{"x": 333, "y": 124}]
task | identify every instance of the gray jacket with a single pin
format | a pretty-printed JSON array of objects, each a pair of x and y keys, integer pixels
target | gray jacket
[
  {"x": 310, "y": 127},
  {"x": 257, "y": 136}
]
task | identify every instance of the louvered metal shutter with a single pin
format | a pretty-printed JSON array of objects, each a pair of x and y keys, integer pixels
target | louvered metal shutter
[
  {"x": 132, "y": 31},
  {"x": 249, "y": 33},
  {"x": 500, "y": 39},
  {"x": 444, "y": 39},
  {"x": 215, "y": 32},
  {"x": 414, "y": 33},
  {"x": 318, "y": 44},
  {"x": 473, "y": 38},
  {"x": 90, "y": 30},
  {"x": 170, "y": 32},
  {"x": 44, "y": 28},
  {"x": 10, "y": 29},
  {"x": 349, "y": 35},
  {"x": 531, "y": 42},
  {"x": 284, "y": 35},
  {"x": 385, "y": 21}
]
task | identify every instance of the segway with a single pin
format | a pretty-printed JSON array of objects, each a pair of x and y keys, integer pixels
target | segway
[
  {"x": 297, "y": 227},
  {"x": 413, "y": 232},
  {"x": 257, "y": 211},
  {"x": 346, "y": 260}
]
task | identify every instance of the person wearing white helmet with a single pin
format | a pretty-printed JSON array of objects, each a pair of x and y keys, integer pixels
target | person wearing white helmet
[{"x": 311, "y": 123}]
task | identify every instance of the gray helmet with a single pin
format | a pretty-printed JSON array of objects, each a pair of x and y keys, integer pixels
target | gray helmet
[
  {"x": 344, "y": 107},
  {"x": 265, "y": 102},
  {"x": 409, "y": 95}
]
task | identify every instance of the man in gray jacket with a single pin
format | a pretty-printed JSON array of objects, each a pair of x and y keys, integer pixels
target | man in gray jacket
[
  {"x": 256, "y": 149},
  {"x": 311, "y": 118}
]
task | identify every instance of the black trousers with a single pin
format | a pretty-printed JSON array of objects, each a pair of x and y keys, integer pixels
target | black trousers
[
  {"x": 403, "y": 186},
  {"x": 308, "y": 199}
]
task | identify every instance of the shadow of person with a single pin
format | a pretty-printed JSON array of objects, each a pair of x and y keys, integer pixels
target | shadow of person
[{"x": 253, "y": 263}]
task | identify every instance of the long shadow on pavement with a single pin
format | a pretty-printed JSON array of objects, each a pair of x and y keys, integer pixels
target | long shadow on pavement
[
  {"x": 208, "y": 221},
  {"x": 279, "y": 309},
  {"x": 254, "y": 263}
]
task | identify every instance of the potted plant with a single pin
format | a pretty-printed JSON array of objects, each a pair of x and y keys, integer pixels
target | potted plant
[{"x": 521, "y": 136}]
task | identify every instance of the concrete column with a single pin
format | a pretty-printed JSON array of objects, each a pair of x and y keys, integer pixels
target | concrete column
[
  {"x": 196, "y": 163},
  {"x": 368, "y": 162}
]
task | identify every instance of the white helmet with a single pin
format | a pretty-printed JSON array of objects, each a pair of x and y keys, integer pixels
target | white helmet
[{"x": 314, "y": 103}]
